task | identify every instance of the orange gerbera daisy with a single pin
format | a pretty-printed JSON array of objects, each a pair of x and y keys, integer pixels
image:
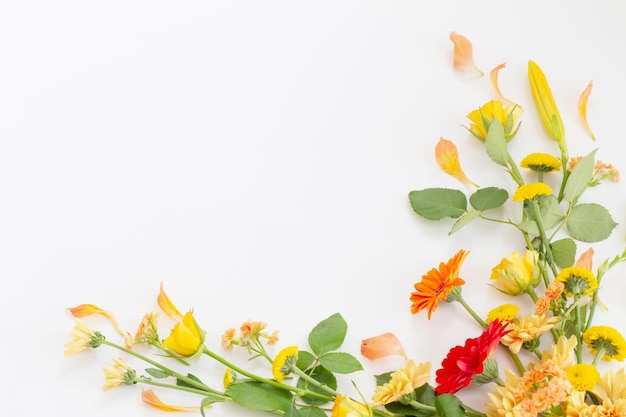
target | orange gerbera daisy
[{"x": 437, "y": 284}]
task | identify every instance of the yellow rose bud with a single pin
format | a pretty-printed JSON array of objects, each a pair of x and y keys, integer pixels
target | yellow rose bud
[
  {"x": 544, "y": 101},
  {"x": 515, "y": 274},
  {"x": 186, "y": 337},
  {"x": 345, "y": 407}
]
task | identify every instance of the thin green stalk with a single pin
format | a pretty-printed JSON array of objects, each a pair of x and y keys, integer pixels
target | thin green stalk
[
  {"x": 579, "y": 337},
  {"x": 312, "y": 381},
  {"x": 149, "y": 381},
  {"x": 544, "y": 238},
  {"x": 476, "y": 317}
]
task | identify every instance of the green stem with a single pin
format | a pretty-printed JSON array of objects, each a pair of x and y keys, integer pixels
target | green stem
[
  {"x": 544, "y": 238},
  {"x": 148, "y": 381},
  {"x": 579, "y": 337},
  {"x": 599, "y": 354},
  {"x": 516, "y": 360},
  {"x": 478, "y": 319},
  {"x": 312, "y": 381},
  {"x": 419, "y": 406}
]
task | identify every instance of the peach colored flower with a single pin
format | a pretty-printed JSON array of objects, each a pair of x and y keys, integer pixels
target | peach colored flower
[
  {"x": 227, "y": 338},
  {"x": 147, "y": 329},
  {"x": 554, "y": 290},
  {"x": 463, "y": 53},
  {"x": 250, "y": 328},
  {"x": 542, "y": 305},
  {"x": 381, "y": 346},
  {"x": 582, "y": 109},
  {"x": 447, "y": 156},
  {"x": 85, "y": 310}
]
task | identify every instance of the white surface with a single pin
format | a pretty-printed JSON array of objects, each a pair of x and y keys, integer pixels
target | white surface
[{"x": 256, "y": 157}]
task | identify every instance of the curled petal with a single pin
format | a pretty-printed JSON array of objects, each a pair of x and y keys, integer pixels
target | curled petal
[
  {"x": 493, "y": 76},
  {"x": 463, "y": 53},
  {"x": 85, "y": 310},
  {"x": 149, "y": 397},
  {"x": 381, "y": 346},
  {"x": 582, "y": 109},
  {"x": 585, "y": 260},
  {"x": 167, "y": 306},
  {"x": 447, "y": 157}
]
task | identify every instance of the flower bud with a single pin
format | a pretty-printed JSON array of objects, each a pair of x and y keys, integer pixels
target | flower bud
[
  {"x": 515, "y": 274},
  {"x": 186, "y": 338}
]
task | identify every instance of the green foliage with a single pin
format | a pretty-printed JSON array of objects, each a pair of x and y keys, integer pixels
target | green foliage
[
  {"x": 496, "y": 145},
  {"x": 488, "y": 198},
  {"x": 292, "y": 411},
  {"x": 590, "y": 222},
  {"x": 182, "y": 383},
  {"x": 260, "y": 396},
  {"x": 312, "y": 412},
  {"x": 157, "y": 373},
  {"x": 322, "y": 375},
  {"x": 340, "y": 362},
  {"x": 449, "y": 406},
  {"x": 579, "y": 178},
  {"x": 424, "y": 395},
  {"x": 465, "y": 219},
  {"x": 305, "y": 359},
  {"x": 438, "y": 203},
  {"x": 551, "y": 211},
  {"x": 328, "y": 335},
  {"x": 564, "y": 252}
]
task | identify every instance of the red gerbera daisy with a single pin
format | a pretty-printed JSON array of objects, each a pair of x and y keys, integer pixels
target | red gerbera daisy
[
  {"x": 437, "y": 284},
  {"x": 464, "y": 362}
]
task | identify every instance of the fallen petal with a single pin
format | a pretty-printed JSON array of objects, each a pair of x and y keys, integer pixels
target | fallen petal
[
  {"x": 149, "y": 397},
  {"x": 381, "y": 346},
  {"x": 447, "y": 157},
  {"x": 167, "y": 306},
  {"x": 85, "y": 310},
  {"x": 493, "y": 76},
  {"x": 463, "y": 53},
  {"x": 582, "y": 109}
]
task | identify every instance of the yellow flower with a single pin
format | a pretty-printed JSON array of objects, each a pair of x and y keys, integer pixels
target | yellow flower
[
  {"x": 582, "y": 109},
  {"x": 447, "y": 157},
  {"x": 463, "y": 53},
  {"x": 403, "y": 381},
  {"x": 504, "y": 313},
  {"x": 345, "y": 407},
  {"x": 82, "y": 337},
  {"x": 229, "y": 377},
  {"x": 530, "y": 191},
  {"x": 541, "y": 162},
  {"x": 284, "y": 362},
  {"x": 526, "y": 329},
  {"x": 544, "y": 101},
  {"x": 605, "y": 341},
  {"x": 481, "y": 119},
  {"x": 118, "y": 374},
  {"x": 577, "y": 281},
  {"x": 186, "y": 338},
  {"x": 515, "y": 274},
  {"x": 149, "y": 397},
  {"x": 612, "y": 386},
  {"x": 562, "y": 352},
  {"x": 582, "y": 376}
]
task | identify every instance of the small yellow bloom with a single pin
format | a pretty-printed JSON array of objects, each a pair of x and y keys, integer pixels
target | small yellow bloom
[
  {"x": 403, "y": 382},
  {"x": 284, "y": 362},
  {"x": 482, "y": 117},
  {"x": 530, "y": 191},
  {"x": 167, "y": 306},
  {"x": 562, "y": 352},
  {"x": 229, "y": 377},
  {"x": 447, "y": 157},
  {"x": 503, "y": 313},
  {"x": 118, "y": 374},
  {"x": 82, "y": 337},
  {"x": 544, "y": 101},
  {"x": 515, "y": 274},
  {"x": 582, "y": 376},
  {"x": 149, "y": 397},
  {"x": 582, "y": 109},
  {"x": 186, "y": 338},
  {"x": 541, "y": 162},
  {"x": 463, "y": 53},
  {"x": 607, "y": 341},
  {"x": 345, "y": 407},
  {"x": 577, "y": 281}
]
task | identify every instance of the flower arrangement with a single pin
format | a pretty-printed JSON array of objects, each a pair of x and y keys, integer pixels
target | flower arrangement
[{"x": 553, "y": 350}]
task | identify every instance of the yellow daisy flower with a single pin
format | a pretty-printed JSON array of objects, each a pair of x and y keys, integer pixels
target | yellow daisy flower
[
  {"x": 118, "y": 374},
  {"x": 82, "y": 337},
  {"x": 541, "y": 162},
  {"x": 582, "y": 376},
  {"x": 530, "y": 191},
  {"x": 527, "y": 329},
  {"x": 577, "y": 281},
  {"x": 284, "y": 362},
  {"x": 403, "y": 381},
  {"x": 612, "y": 385},
  {"x": 606, "y": 342},
  {"x": 504, "y": 313}
]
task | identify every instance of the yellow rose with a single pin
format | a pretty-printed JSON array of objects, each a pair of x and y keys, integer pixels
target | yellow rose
[
  {"x": 345, "y": 407},
  {"x": 186, "y": 337},
  {"x": 515, "y": 274}
]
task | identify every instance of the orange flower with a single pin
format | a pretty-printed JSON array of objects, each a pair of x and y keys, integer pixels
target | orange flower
[
  {"x": 447, "y": 157},
  {"x": 381, "y": 346},
  {"x": 582, "y": 109},
  {"x": 437, "y": 284},
  {"x": 493, "y": 76},
  {"x": 463, "y": 53},
  {"x": 85, "y": 310},
  {"x": 167, "y": 306},
  {"x": 149, "y": 397}
]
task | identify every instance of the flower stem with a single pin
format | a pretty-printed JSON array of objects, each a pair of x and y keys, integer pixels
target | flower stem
[
  {"x": 149, "y": 381},
  {"x": 476, "y": 317},
  {"x": 545, "y": 242},
  {"x": 312, "y": 381}
]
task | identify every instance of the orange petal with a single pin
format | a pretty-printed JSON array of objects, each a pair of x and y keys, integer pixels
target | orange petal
[
  {"x": 149, "y": 397},
  {"x": 493, "y": 75},
  {"x": 167, "y": 306},
  {"x": 447, "y": 157},
  {"x": 585, "y": 260},
  {"x": 85, "y": 310},
  {"x": 582, "y": 109},
  {"x": 463, "y": 53},
  {"x": 381, "y": 346}
]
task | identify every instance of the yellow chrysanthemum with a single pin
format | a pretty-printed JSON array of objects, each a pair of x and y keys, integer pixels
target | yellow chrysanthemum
[
  {"x": 82, "y": 337},
  {"x": 605, "y": 341},
  {"x": 562, "y": 352},
  {"x": 504, "y": 312},
  {"x": 577, "y": 281},
  {"x": 118, "y": 374},
  {"x": 527, "y": 329},
  {"x": 582, "y": 376},
  {"x": 541, "y": 162},
  {"x": 612, "y": 386},
  {"x": 284, "y": 362},
  {"x": 530, "y": 191},
  {"x": 403, "y": 381}
]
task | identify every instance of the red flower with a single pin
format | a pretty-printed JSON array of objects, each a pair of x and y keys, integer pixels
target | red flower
[{"x": 464, "y": 362}]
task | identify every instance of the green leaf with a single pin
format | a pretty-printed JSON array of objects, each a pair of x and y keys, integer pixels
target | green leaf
[
  {"x": 312, "y": 412},
  {"x": 488, "y": 198},
  {"x": 260, "y": 396},
  {"x": 449, "y": 406},
  {"x": 305, "y": 359},
  {"x": 340, "y": 362},
  {"x": 382, "y": 378},
  {"x": 590, "y": 222},
  {"x": 157, "y": 373},
  {"x": 424, "y": 394},
  {"x": 530, "y": 227},
  {"x": 495, "y": 143},
  {"x": 328, "y": 334},
  {"x": 551, "y": 211},
  {"x": 564, "y": 252},
  {"x": 181, "y": 383},
  {"x": 437, "y": 203},
  {"x": 464, "y": 219},
  {"x": 292, "y": 411},
  {"x": 579, "y": 177},
  {"x": 322, "y": 375},
  {"x": 207, "y": 401}
]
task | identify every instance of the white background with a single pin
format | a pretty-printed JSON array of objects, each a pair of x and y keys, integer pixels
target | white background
[{"x": 256, "y": 156}]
